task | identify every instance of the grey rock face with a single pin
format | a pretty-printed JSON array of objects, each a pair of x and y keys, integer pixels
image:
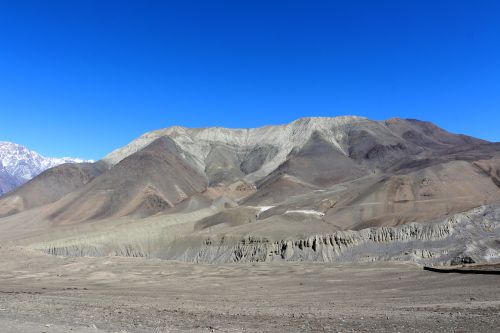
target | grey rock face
[{"x": 473, "y": 235}]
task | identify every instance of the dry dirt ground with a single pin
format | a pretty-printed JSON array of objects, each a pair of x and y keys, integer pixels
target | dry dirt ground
[{"x": 42, "y": 293}]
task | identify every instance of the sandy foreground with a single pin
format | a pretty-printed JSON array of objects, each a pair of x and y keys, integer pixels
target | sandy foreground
[{"x": 42, "y": 293}]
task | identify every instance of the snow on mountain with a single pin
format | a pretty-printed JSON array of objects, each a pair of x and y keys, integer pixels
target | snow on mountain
[{"x": 19, "y": 164}]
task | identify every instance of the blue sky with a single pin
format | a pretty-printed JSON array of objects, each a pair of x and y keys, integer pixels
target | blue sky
[{"x": 82, "y": 78}]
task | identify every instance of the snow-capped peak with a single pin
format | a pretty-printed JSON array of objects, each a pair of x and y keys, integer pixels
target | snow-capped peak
[{"x": 22, "y": 164}]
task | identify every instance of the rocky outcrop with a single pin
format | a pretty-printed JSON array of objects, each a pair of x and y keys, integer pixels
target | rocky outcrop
[
  {"x": 372, "y": 244},
  {"x": 473, "y": 235}
]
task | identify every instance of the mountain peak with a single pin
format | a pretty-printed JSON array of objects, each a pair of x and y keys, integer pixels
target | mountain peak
[
  {"x": 337, "y": 119},
  {"x": 291, "y": 135},
  {"x": 20, "y": 164}
]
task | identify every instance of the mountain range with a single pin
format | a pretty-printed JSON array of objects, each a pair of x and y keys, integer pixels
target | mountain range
[
  {"x": 19, "y": 164},
  {"x": 320, "y": 189}
]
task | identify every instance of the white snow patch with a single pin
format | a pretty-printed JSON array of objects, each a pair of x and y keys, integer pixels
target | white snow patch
[
  {"x": 306, "y": 211},
  {"x": 264, "y": 208}
]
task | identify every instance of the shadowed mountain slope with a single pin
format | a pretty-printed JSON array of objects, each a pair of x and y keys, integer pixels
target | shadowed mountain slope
[
  {"x": 50, "y": 186},
  {"x": 143, "y": 184}
]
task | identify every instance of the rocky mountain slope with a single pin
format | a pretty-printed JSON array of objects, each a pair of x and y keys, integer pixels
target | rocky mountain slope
[
  {"x": 204, "y": 195},
  {"x": 19, "y": 164}
]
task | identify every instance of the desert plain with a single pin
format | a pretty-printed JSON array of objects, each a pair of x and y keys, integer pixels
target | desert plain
[{"x": 44, "y": 293}]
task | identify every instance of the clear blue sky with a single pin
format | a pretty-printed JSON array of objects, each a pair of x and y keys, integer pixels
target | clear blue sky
[{"x": 84, "y": 77}]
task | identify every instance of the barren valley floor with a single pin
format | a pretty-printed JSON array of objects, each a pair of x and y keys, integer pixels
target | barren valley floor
[{"x": 43, "y": 293}]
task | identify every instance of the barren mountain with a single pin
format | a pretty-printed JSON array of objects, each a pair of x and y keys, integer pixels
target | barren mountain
[
  {"x": 218, "y": 195},
  {"x": 145, "y": 183}
]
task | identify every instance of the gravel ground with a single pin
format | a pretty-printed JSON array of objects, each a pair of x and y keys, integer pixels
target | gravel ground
[{"x": 42, "y": 293}]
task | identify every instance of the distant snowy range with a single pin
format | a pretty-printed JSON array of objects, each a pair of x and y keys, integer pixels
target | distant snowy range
[{"x": 19, "y": 164}]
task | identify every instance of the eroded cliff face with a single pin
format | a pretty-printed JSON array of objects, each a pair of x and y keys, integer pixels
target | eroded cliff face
[
  {"x": 473, "y": 236},
  {"x": 364, "y": 245},
  {"x": 468, "y": 237}
]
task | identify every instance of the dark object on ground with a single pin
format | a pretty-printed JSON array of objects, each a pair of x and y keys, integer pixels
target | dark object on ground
[{"x": 479, "y": 269}]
